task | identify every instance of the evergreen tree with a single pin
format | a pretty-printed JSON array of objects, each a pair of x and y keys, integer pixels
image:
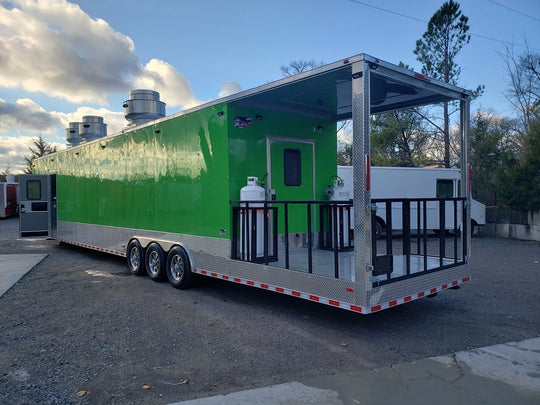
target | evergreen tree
[
  {"x": 519, "y": 179},
  {"x": 40, "y": 148},
  {"x": 493, "y": 143},
  {"x": 399, "y": 138},
  {"x": 444, "y": 38}
]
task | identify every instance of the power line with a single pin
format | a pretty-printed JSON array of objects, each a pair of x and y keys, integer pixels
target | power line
[
  {"x": 472, "y": 34},
  {"x": 505, "y": 42},
  {"x": 514, "y": 10},
  {"x": 388, "y": 11}
]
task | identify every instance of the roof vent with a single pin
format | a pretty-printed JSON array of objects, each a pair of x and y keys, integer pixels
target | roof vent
[
  {"x": 72, "y": 134},
  {"x": 143, "y": 106},
  {"x": 92, "y": 127}
]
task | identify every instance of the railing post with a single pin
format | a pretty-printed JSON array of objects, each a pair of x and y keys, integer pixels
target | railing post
[
  {"x": 374, "y": 237},
  {"x": 286, "y": 219},
  {"x": 406, "y": 219},
  {"x": 424, "y": 233},
  {"x": 253, "y": 234},
  {"x": 336, "y": 237},
  {"x": 442, "y": 227},
  {"x": 235, "y": 236},
  {"x": 246, "y": 241},
  {"x": 418, "y": 227},
  {"x": 389, "y": 227},
  {"x": 464, "y": 221},
  {"x": 310, "y": 253},
  {"x": 265, "y": 236},
  {"x": 455, "y": 231}
]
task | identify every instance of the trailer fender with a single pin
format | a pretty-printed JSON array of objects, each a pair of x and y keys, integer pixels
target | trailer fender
[{"x": 178, "y": 268}]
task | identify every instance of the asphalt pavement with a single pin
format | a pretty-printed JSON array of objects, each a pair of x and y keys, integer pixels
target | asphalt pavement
[{"x": 501, "y": 374}]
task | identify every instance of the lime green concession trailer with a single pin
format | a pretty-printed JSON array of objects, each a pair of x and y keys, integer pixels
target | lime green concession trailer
[{"x": 243, "y": 189}]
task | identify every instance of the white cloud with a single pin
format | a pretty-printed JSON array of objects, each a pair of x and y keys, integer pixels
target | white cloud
[
  {"x": 13, "y": 149},
  {"x": 26, "y": 114},
  {"x": 228, "y": 88},
  {"x": 344, "y": 133},
  {"x": 173, "y": 86},
  {"x": 54, "y": 47}
]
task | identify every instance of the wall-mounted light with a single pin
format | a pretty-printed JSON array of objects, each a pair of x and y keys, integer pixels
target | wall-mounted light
[
  {"x": 157, "y": 131},
  {"x": 220, "y": 113},
  {"x": 258, "y": 117},
  {"x": 319, "y": 128}
]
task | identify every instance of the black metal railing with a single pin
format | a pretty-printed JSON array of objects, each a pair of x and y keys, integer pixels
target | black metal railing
[
  {"x": 337, "y": 226},
  {"x": 261, "y": 229},
  {"x": 255, "y": 233},
  {"x": 416, "y": 221},
  {"x": 334, "y": 230}
]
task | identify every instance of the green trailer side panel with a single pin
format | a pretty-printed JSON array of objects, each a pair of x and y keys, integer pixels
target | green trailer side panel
[
  {"x": 248, "y": 146},
  {"x": 170, "y": 177},
  {"x": 248, "y": 155}
]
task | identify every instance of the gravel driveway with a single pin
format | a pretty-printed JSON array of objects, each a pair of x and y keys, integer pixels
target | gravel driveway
[{"x": 80, "y": 324}]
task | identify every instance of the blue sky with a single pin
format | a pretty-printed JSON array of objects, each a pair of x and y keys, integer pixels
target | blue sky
[{"x": 64, "y": 60}]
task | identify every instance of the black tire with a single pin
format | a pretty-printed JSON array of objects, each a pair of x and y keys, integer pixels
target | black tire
[
  {"x": 154, "y": 261},
  {"x": 474, "y": 228},
  {"x": 378, "y": 229},
  {"x": 135, "y": 258},
  {"x": 179, "y": 268}
]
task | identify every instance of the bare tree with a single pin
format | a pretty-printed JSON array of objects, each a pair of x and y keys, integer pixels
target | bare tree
[
  {"x": 299, "y": 66},
  {"x": 523, "y": 80}
]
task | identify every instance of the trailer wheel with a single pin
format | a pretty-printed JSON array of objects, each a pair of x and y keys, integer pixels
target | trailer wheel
[
  {"x": 155, "y": 262},
  {"x": 379, "y": 226},
  {"x": 135, "y": 258},
  {"x": 179, "y": 268},
  {"x": 474, "y": 228}
]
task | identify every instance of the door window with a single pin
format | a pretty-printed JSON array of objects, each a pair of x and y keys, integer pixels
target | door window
[
  {"x": 33, "y": 189},
  {"x": 292, "y": 167}
]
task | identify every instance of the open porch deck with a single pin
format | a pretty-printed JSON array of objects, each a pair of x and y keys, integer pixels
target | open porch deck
[{"x": 329, "y": 251}]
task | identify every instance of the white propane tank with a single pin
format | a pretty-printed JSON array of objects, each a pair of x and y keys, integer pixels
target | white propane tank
[
  {"x": 252, "y": 192},
  {"x": 340, "y": 193}
]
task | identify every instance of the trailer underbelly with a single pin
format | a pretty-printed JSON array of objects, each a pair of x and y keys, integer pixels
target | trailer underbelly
[{"x": 346, "y": 292}]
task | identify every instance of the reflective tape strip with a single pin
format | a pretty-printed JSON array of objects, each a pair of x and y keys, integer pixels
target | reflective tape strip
[
  {"x": 282, "y": 290},
  {"x": 327, "y": 301},
  {"x": 420, "y": 294},
  {"x": 99, "y": 249}
]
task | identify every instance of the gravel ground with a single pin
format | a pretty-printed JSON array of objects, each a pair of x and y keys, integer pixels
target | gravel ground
[{"x": 78, "y": 323}]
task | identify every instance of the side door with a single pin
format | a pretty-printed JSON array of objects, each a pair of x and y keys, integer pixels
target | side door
[
  {"x": 37, "y": 207},
  {"x": 291, "y": 174}
]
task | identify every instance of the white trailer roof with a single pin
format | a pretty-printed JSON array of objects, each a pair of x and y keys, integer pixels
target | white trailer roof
[{"x": 326, "y": 92}]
